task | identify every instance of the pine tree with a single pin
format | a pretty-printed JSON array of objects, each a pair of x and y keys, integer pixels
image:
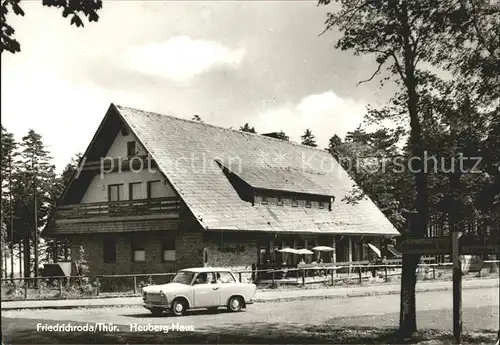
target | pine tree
[
  {"x": 308, "y": 139},
  {"x": 246, "y": 128},
  {"x": 8, "y": 165},
  {"x": 33, "y": 185},
  {"x": 333, "y": 143}
]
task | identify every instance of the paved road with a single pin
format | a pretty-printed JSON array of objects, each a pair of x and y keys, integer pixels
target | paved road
[{"x": 480, "y": 312}]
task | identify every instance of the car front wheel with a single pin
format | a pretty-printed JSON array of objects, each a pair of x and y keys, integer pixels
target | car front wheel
[
  {"x": 235, "y": 303},
  {"x": 179, "y": 307}
]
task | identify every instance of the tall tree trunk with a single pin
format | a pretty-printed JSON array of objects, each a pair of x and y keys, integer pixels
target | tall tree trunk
[
  {"x": 26, "y": 250},
  {"x": 407, "y": 321},
  {"x": 12, "y": 259},
  {"x": 2, "y": 260},
  {"x": 20, "y": 246},
  {"x": 11, "y": 222},
  {"x": 35, "y": 229}
]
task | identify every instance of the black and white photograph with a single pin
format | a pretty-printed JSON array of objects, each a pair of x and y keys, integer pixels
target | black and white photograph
[{"x": 250, "y": 172}]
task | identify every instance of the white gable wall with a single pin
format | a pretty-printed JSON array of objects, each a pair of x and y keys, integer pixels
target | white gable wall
[
  {"x": 98, "y": 188},
  {"x": 119, "y": 147}
]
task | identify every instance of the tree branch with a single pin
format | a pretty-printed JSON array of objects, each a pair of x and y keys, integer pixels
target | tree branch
[
  {"x": 352, "y": 13},
  {"x": 375, "y": 73},
  {"x": 399, "y": 69}
]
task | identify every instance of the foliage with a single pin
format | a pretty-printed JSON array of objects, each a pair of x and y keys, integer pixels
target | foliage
[
  {"x": 246, "y": 128},
  {"x": 75, "y": 9},
  {"x": 308, "y": 138},
  {"x": 33, "y": 184},
  {"x": 405, "y": 38},
  {"x": 196, "y": 118},
  {"x": 368, "y": 158},
  {"x": 7, "y": 169},
  {"x": 26, "y": 166}
]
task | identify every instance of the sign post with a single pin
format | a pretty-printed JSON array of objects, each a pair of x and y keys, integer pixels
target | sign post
[{"x": 457, "y": 287}]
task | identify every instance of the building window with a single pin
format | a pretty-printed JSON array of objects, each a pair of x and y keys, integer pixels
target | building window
[
  {"x": 124, "y": 130},
  {"x": 109, "y": 250},
  {"x": 131, "y": 148},
  {"x": 322, "y": 204},
  {"x": 308, "y": 203},
  {"x": 138, "y": 252},
  {"x": 115, "y": 192},
  {"x": 154, "y": 189},
  {"x": 135, "y": 190},
  {"x": 295, "y": 202},
  {"x": 280, "y": 201},
  {"x": 264, "y": 200},
  {"x": 168, "y": 250}
]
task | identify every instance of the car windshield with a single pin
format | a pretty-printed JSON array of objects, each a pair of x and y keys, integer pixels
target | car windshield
[{"x": 184, "y": 277}]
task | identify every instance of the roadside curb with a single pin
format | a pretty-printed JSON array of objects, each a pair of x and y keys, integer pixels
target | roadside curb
[
  {"x": 261, "y": 300},
  {"x": 368, "y": 294}
]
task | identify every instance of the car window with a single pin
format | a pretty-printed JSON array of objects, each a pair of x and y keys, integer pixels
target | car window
[
  {"x": 183, "y": 277},
  {"x": 226, "y": 277},
  {"x": 201, "y": 278},
  {"x": 211, "y": 278},
  {"x": 205, "y": 278}
]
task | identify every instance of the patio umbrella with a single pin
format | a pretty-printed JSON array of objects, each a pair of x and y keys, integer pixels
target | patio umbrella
[
  {"x": 324, "y": 249},
  {"x": 375, "y": 250},
  {"x": 304, "y": 251},
  {"x": 393, "y": 251},
  {"x": 288, "y": 250}
]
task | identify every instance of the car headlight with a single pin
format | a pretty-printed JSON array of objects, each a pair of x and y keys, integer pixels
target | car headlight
[{"x": 163, "y": 298}]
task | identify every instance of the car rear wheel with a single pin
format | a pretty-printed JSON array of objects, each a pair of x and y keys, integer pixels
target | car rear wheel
[
  {"x": 235, "y": 303},
  {"x": 156, "y": 311},
  {"x": 179, "y": 307}
]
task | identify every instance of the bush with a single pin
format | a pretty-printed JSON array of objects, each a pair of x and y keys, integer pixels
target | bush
[
  {"x": 10, "y": 288},
  {"x": 275, "y": 285}
]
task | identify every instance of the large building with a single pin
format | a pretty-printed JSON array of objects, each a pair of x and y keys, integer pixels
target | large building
[{"x": 158, "y": 193}]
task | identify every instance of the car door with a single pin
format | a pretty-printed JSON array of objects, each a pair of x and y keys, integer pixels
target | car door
[
  {"x": 228, "y": 287},
  {"x": 206, "y": 290}
]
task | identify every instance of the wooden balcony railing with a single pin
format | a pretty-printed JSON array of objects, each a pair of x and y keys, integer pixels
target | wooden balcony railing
[{"x": 125, "y": 208}]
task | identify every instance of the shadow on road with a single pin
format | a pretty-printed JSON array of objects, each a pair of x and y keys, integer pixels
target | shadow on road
[
  {"x": 196, "y": 312},
  {"x": 24, "y": 331}
]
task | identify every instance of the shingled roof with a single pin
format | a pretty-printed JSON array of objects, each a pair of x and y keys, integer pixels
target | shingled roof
[{"x": 187, "y": 153}]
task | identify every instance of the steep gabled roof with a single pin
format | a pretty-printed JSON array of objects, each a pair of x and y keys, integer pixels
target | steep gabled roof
[{"x": 187, "y": 153}]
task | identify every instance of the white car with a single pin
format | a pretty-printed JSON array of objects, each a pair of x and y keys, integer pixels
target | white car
[{"x": 195, "y": 288}]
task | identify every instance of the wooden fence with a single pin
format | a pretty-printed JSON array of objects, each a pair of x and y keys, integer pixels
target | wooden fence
[{"x": 62, "y": 283}]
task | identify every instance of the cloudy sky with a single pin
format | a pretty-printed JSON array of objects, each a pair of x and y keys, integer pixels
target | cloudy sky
[{"x": 261, "y": 62}]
